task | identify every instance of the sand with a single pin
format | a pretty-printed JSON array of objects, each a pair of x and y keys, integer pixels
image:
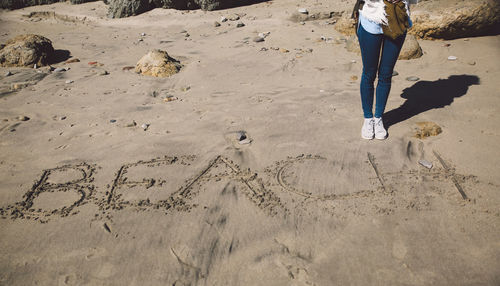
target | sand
[{"x": 90, "y": 198}]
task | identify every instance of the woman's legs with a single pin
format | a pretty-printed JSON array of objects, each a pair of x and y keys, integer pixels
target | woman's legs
[
  {"x": 390, "y": 54},
  {"x": 370, "y": 45}
]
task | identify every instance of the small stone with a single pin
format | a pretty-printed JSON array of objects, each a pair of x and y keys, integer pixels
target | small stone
[
  {"x": 234, "y": 17},
  {"x": 143, "y": 34},
  {"x": 452, "y": 58},
  {"x": 263, "y": 49},
  {"x": 412, "y": 78},
  {"x": 23, "y": 118},
  {"x": 186, "y": 88},
  {"x": 62, "y": 118},
  {"x": 283, "y": 50},
  {"x": 104, "y": 72},
  {"x": 302, "y": 23},
  {"x": 8, "y": 73},
  {"x": 60, "y": 70},
  {"x": 72, "y": 61},
  {"x": 472, "y": 63},
  {"x": 426, "y": 129},
  {"x": 169, "y": 98},
  {"x": 145, "y": 126},
  {"x": 223, "y": 19},
  {"x": 127, "y": 68},
  {"x": 353, "y": 61},
  {"x": 354, "y": 78},
  {"x": 69, "y": 81},
  {"x": 140, "y": 40},
  {"x": 245, "y": 141},
  {"x": 446, "y": 45},
  {"x": 112, "y": 120},
  {"x": 240, "y": 135},
  {"x": 303, "y": 11},
  {"x": 216, "y": 24},
  {"x": 395, "y": 73},
  {"x": 258, "y": 39},
  {"x": 240, "y": 24},
  {"x": 132, "y": 124},
  {"x": 187, "y": 35},
  {"x": 425, "y": 163}
]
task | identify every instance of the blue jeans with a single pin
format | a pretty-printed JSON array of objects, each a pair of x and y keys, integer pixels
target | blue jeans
[{"x": 374, "y": 61}]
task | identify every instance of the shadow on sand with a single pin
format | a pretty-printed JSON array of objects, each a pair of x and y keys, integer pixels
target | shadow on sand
[
  {"x": 427, "y": 95},
  {"x": 60, "y": 56}
]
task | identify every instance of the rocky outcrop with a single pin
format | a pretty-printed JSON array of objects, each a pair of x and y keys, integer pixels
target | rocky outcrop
[
  {"x": 26, "y": 50},
  {"x": 157, "y": 63},
  {"x": 451, "y": 19},
  {"x": 17, "y": 4},
  {"x": 125, "y": 8},
  {"x": 411, "y": 48}
]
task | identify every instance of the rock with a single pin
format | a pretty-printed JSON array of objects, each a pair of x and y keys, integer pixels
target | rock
[
  {"x": 283, "y": 50},
  {"x": 8, "y": 73},
  {"x": 410, "y": 50},
  {"x": 234, "y": 17},
  {"x": 472, "y": 63},
  {"x": 9, "y": 4},
  {"x": 62, "y": 118},
  {"x": 425, "y": 163},
  {"x": 169, "y": 98},
  {"x": 72, "y": 61},
  {"x": 26, "y": 50},
  {"x": 437, "y": 19},
  {"x": 345, "y": 26},
  {"x": 245, "y": 141},
  {"x": 216, "y": 24},
  {"x": 104, "y": 72},
  {"x": 145, "y": 126},
  {"x": 69, "y": 81},
  {"x": 223, "y": 19},
  {"x": 127, "y": 68},
  {"x": 132, "y": 124},
  {"x": 143, "y": 34},
  {"x": 23, "y": 118},
  {"x": 125, "y": 8},
  {"x": 158, "y": 63},
  {"x": 59, "y": 70},
  {"x": 258, "y": 39},
  {"x": 112, "y": 121},
  {"x": 395, "y": 73},
  {"x": 452, "y": 58},
  {"x": 240, "y": 24},
  {"x": 412, "y": 78},
  {"x": 241, "y": 135},
  {"x": 354, "y": 78},
  {"x": 426, "y": 129},
  {"x": 303, "y": 11}
]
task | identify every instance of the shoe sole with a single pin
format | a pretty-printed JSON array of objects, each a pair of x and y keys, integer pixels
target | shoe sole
[
  {"x": 381, "y": 138},
  {"x": 367, "y": 138}
]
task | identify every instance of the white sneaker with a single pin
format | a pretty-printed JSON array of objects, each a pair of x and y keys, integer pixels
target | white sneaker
[
  {"x": 380, "y": 132},
  {"x": 367, "y": 131}
]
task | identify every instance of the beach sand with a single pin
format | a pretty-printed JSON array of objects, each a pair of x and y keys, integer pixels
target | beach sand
[{"x": 88, "y": 197}]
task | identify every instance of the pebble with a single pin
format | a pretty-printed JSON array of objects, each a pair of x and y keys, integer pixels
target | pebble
[
  {"x": 263, "y": 49},
  {"x": 112, "y": 120},
  {"x": 132, "y": 124},
  {"x": 240, "y": 24},
  {"x": 169, "y": 98},
  {"x": 263, "y": 35},
  {"x": 187, "y": 35},
  {"x": 62, "y": 118},
  {"x": 412, "y": 78},
  {"x": 240, "y": 135},
  {"x": 353, "y": 61},
  {"x": 145, "y": 126},
  {"x": 8, "y": 73},
  {"x": 472, "y": 63},
  {"x": 395, "y": 73},
  {"x": 245, "y": 141},
  {"x": 143, "y": 34},
  {"x": 425, "y": 163},
  {"x": 216, "y": 24},
  {"x": 452, "y": 58},
  {"x": 303, "y": 11},
  {"x": 104, "y": 72},
  {"x": 234, "y": 17},
  {"x": 60, "y": 70},
  {"x": 302, "y": 23},
  {"x": 283, "y": 50},
  {"x": 35, "y": 66},
  {"x": 69, "y": 81},
  {"x": 258, "y": 39},
  {"x": 223, "y": 19},
  {"x": 23, "y": 118}
]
